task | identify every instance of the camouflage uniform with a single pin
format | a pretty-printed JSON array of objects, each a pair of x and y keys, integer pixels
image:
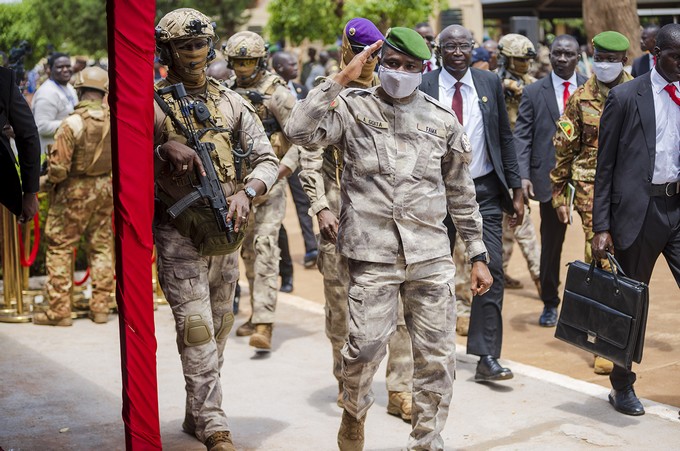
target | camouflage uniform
[
  {"x": 525, "y": 233},
  {"x": 79, "y": 167},
  {"x": 576, "y": 145},
  {"x": 320, "y": 178},
  {"x": 200, "y": 289},
  {"x": 396, "y": 242}
]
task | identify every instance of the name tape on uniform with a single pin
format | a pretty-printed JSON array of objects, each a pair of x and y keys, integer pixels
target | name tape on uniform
[
  {"x": 371, "y": 122},
  {"x": 431, "y": 130}
]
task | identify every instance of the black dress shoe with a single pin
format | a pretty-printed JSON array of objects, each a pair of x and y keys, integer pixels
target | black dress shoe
[
  {"x": 626, "y": 402},
  {"x": 548, "y": 317},
  {"x": 286, "y": 285},
  {"x": 488, "y": 369}
]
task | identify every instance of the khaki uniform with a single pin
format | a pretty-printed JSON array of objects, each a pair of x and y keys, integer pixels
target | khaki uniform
[
  {"x": 79, "y": 167},
  {"x": 405, "y": 164},
  {"x": 576, "y": 145},
  {"x": 260, "y": 250},
  {"x": 319, "y": 176},
  {"x": 524, "y": 233},
  {"x": 200, "y": 289}
]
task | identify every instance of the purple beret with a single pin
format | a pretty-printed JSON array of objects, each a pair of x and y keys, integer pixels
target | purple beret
[{"x": 363, "y": 31}]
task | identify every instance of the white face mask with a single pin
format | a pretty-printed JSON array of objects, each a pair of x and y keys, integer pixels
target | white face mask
[
  {"x": 607, "y": 72},
  {"x": 397, "y": 83}
]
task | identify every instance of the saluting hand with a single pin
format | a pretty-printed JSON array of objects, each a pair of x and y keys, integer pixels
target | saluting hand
[{"x": 353, "y": 70}]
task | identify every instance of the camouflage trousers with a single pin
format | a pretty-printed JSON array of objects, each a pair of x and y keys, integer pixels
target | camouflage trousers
[
  {"x": 525, "y": 235},
  {"x": 427, "y": 292},
  {"x": 334, "y": 270},
  {"x": 583, "y": 204},
  {"x": 80, "y": 206},
  {"x": 463, "y": 267},
  {"x": 261, "y": 253},
  {"x": 200, "y": 291}
]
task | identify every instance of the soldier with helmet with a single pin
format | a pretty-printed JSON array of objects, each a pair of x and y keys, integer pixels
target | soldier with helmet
[
  {"x": 516, "y": 53},
  {"x": 246, "y": 54},
  {"x": 197, "y": 261},
  {"x": 81, "y": 202}
]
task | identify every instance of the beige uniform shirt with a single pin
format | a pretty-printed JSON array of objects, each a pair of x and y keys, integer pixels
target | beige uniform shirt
[{"x": 405, "y": 164}]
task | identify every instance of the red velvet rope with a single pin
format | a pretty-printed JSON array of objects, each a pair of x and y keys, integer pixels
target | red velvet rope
[{"x": 36, "y": 242}]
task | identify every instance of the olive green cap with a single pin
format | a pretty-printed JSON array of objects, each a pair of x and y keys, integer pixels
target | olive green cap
[
  {"x": 408, "y": 41},
  {"x": 611, "y": 41}
]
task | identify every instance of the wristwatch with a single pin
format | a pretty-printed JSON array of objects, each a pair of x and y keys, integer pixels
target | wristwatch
[
  {"x": 250, "y": 192},
  {"x": 479, "y": 258}
]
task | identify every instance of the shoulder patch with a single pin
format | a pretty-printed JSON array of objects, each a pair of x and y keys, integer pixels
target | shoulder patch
[
  {"x": 371, "y": 122},
  {"x": 432, "y": 130},
  {"x": 333, "y": 105},
  {"x": 567, "y": 128}
]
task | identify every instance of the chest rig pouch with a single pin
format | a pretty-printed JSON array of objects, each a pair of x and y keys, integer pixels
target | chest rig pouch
[
  {"x": 92, "y": 155},
  {"x": 198, "y": 221}
]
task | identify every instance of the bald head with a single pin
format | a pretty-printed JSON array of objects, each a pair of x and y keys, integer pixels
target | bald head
[
  {"x": 218, "y": 69},
  {"x": 286, "y": 65},
  {"x": 455, "y": 31}
]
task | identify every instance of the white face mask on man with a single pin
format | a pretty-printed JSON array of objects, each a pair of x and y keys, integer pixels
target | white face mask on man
[
  {"x": 607, "y": 72},
  {"x": 397, "y": 83}
]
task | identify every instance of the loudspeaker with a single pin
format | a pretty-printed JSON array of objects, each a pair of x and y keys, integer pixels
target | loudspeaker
[{"x": 526, "y": 26}]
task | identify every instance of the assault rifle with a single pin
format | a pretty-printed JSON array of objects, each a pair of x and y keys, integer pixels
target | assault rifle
[
  {"x": 209, "y": 187},
  {"x": 270, "y": 124}
]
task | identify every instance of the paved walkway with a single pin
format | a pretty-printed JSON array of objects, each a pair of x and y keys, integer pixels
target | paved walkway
[{"x": 61, "y": 389}]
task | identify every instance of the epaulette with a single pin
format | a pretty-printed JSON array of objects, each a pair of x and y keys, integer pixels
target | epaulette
[
  {"x": 438, "y": 104},
  {"x": 347, "y": 92}
]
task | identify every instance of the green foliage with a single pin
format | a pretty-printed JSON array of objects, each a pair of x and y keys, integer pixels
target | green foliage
[
  {"x": 17, "y": 24},
  {"x": 227, "y": 14},
  {"x": 323, "y": 19}
]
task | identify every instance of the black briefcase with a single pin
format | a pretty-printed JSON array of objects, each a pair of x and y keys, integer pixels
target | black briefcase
[{"x": 604, "y": 312}]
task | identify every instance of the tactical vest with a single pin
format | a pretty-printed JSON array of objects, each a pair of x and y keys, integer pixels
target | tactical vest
[
  {"x": 266, "y": 88},
  {"x": 197, "y": 222},
  {"x": 92, "y": 150}
]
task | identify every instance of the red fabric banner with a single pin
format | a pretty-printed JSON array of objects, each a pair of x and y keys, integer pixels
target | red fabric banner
[{"x": 131, "y": 47}]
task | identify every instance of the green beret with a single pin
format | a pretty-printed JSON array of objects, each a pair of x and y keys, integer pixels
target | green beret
[
  {"x": 611, "y": 41},
  {"x": 408, "y": 41}
]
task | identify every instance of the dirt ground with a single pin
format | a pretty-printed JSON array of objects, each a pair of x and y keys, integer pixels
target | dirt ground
[{"x": 526, "y": 342}]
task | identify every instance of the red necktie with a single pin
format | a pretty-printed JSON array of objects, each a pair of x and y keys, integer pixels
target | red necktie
[
  {"x": 565, "y": 95},
  {"x": 457, "y": 102},
  {"x": 670, "y": 89},
  {"x": 654, "y": 57}
]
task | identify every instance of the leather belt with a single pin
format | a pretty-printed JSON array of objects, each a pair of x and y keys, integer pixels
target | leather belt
[{"x": 665, "y": 189}]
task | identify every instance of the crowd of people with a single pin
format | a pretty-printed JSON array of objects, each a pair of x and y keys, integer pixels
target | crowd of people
[{"x": 417, "y": 153}]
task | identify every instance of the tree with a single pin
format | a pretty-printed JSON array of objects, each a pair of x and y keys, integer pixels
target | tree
[
  {"x": 227, "y": 14},
  {"x": 616, "y": 15},
  {"x": 323, "y": 19}
]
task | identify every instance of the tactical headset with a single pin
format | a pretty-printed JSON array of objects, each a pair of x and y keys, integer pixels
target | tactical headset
[{"x": 164, "y": 48}]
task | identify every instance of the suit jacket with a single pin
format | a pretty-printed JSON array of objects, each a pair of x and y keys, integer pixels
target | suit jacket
[
  {"x": 625, "y": 161},
  {"x": 497, "y": 133},
  {"x": 15, "y": 111},
  {"x": 534, "y": 129},
  {"x": 641, "y": 65},
  {"x": 300, "y": 90}
]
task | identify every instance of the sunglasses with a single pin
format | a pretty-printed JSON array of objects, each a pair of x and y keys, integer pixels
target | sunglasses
[{"x": 358, "y": 48}]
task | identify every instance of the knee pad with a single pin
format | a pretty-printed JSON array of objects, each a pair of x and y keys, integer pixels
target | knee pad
[
  {"x": 196, "y": 331},
  {"x": 227, "y": 324}
]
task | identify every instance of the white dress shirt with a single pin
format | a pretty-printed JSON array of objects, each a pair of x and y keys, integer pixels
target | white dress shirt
[
  {"x": 52, "y": 103},
  {"x": 667, "y": 114},
  {"x": 473, "y": 122},
  {"x": 559, "y": 88}
]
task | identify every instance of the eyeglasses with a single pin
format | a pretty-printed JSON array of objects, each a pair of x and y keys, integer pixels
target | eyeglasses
[
  {"x": 451, "y": 47},
  {"x": 356, "y": 49}
]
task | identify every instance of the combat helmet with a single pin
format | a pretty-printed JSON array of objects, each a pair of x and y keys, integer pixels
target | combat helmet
[
  {"x": 183, "y": 23},
  {"x": 516, "y": 46},
  {"x": 93, "y": 78},
  {"x": 245, "y": 44}
]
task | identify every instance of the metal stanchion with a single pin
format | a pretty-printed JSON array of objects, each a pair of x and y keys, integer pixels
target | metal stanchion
[{"x": 13, "y": 312}]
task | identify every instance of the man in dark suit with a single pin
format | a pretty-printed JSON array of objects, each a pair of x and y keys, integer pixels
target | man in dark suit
[
  {"x": 637, "y": 184},
  {"x": 476, "y": 96},
  {"x": 18, "y": 192},
  {"x": 541, "y": 106},
  {"x": 644, "y": 63}
]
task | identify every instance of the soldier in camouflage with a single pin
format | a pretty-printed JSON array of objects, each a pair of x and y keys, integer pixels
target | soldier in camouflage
[
  {"x": 516, "y": 53},
  {"x": 268, "y": 93},
  {"x": 576, "y": 142},
  {"x": 81, "y": 202},
  {"x": 320, "y": 176},
  {"x": 197, "y": 265},
  {"x": 405, "y": 164}
]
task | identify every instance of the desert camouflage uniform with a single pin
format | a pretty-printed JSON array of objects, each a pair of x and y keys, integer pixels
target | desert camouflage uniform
[
  {"x": 321, "y": 169},
  {"x": 200, "y": 289},
  {"x": 576, "y": 145},
  {"x": 260, "y": 251},
  {"x": 525, "y": 233},
  {"x": 395, "y": 192},
  {"x": 81, "y": 204}
]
